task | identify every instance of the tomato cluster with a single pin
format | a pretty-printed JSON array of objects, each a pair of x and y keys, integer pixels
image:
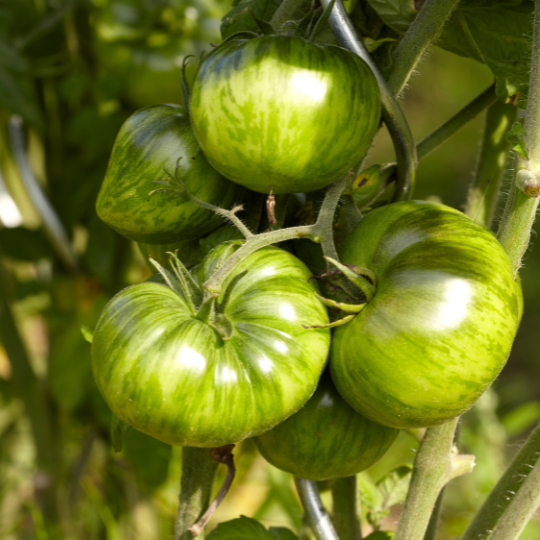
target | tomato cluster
[{"x": 205, "y": 368}]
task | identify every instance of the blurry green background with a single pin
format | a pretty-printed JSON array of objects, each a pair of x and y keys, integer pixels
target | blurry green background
[{"x": 74, "y": 71}]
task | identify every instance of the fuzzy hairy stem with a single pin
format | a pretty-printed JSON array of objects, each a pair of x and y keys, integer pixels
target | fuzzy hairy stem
[
  {"x": 513, "y": 500},
  {"x": 424, "y": 30},
  {"x": 435, "y": 465},
  {"x": 484, "y": 192},
  {"x": 520, "y": 210},
  {"x": 196, "y": 483},
  {"x": 392, "y": 114},
  {"x": 433, "y": 525},
  {"x": 315, "y": 514},
  {"x": 346, "y": 508}
]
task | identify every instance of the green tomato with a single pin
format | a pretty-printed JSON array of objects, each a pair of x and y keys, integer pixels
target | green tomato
[
  {"x": 325, "y": 439},
  {"x": 441, "y": 324},
  {"x": 164, "y": 367},
  {"x": 150, "y": 145},
  {"x": 280, "y": 112}
]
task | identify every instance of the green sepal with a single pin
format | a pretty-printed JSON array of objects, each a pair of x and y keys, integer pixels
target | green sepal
[
  {"x": 343, "y": 306},
  {"x": 185, "y": 84},
  {"x": 118, "y": 428},
  {"x": 322, "y": 21},
  {"x": 356, "y": 276},
  {"x": 265, "y": 27},
  {"x": 87, "y": 332},
  {"x": 305, "y": 25},
  {"x": 516, "y": 136},
  {"x": 334, "y": 324}
]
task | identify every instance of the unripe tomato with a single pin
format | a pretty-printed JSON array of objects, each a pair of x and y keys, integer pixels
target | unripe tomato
[
  {"x": 441, "y": 324},
  {"x": 325, "y": 439},
  {"x": 148, "y": 148},
  {"x": 280, "y": 112},
  {"x": 206, "y": 379}
]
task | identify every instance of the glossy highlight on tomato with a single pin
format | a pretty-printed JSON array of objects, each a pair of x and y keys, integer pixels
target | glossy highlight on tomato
[
  {"x": 441, "y": 324},
  {"x": 326, "y": 438},
  {"x": 191, "y": 377},
  {"x": 149, "y": 147},
  {"x": 281, "y": 113}
]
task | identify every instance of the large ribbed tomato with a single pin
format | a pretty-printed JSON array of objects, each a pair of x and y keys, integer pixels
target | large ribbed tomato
[
  {"x": 441, "y": 323},
  {"x": 281, "y": 113},
  {"x": 213, "y": 373}
]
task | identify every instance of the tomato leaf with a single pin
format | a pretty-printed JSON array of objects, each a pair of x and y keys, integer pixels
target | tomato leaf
[
  {"x": 249, "y": 529},
  {"x": 87, "y": 332},
  {"x": 397, "y": 14},
  {"x": 516, "y": 136},
  {"x": 242, "y": 16},
  {"x": 381, "y": 535},
  {"x": 393, "y": 486}
]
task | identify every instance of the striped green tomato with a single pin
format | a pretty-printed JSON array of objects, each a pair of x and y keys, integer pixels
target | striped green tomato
[
  {"x": 442, "y": 321},
  {"x": 152, "y": 141},
  {"x": 193, "y": 376},
  {"x": 326, "y": 438},
  {"x": 280, "y": 112}
]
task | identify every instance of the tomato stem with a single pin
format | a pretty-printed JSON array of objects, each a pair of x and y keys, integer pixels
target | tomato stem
[
  {"x": 392, "y": 114},
  {"x": 346, "y": 508}
]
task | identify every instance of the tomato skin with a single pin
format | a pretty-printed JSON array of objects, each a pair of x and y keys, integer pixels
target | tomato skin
[
  {"x": 441, "y": 324},
  {"x": 278, "y": 111},
  {"x": 325, "y": 439},
  {"x": 150, "y": 141},
  {"x": 173, "y": 377}
]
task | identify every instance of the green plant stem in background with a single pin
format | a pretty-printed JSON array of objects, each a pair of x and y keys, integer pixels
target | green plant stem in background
[
  {"x": 520, "y": 210},
  {"x": 196, "y": 483},
  {"x": 435, "y": 465},
  {"x": 433, "y": 525},
  {"x": 32, "y": 393},
  {"x": 314, "y": 511},
  {"x": 514, "y": 499},
  {"x": 484, "y": 192},
  {"x": 392, "y": 114},
  {"x": 424, "y": 30},
  {"x": 346, "y": 508}
]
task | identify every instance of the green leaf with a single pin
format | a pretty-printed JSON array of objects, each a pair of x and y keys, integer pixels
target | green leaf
[
  {"x": 249, "y": 529},
  {"x": 118, "y": 428},
  {"x": 241, "y": 17},
  {"x": 521, "y": 418},
  {"x": 380, "y": 535},
  {"x": 393, "y": 486},
  {"x": 516, "y": 136},
  {"x": 397, "y": 14},
  {"x": 369, "y": 494},
  {"x": 87, "y": 332}
]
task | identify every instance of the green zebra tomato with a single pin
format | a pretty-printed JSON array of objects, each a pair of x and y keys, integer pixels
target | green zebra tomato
[
  {"x": 326, "y": 438},
  {"x": 441, "y": 323},
  {"x": 209, "y": 374},
  {"x": 280, "y": 112},
  {"x": 152, "y": 141}
]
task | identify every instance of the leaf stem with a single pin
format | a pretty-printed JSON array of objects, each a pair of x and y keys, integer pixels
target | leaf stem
[
  {"x": 513, "y": 500},
  {"x": 198, "y": 473},
  {"x": 346, "y": 508},
  {"x": 392, "y": 114},
  {"x": 484, "y": 192},
  {"x": 434, "y": 466},
  {"x": 520, "y": 210},
  {"x": 423, "y": 31},
  {"x": 316, "y": 515}
]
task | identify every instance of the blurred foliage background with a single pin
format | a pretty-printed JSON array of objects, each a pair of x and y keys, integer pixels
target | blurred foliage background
[{"x": 73, "y": 71}]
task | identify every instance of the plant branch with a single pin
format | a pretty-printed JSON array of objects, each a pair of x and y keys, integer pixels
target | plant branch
[
  {"x": 198, "y": 472},
  {"x": 520, "y": 210},
  {"x": 346, "y": 508},
  {"x": 434, "y": 466},
  {"x": 392, "y": 114},
  {"x": 316, "y": 515},
  {"x": 484, "y": 192},
  {"x": 423, "y": 31},
  {"x": 433, "y": 525},
  {"x": 513, "y": 500}
]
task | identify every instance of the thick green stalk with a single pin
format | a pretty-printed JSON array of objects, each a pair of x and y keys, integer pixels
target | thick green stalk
[
  {"x": 435, "y": 465},
  {"x": 520, "y": 210},
  {"x": 346, "y": 508},
  {"x": 196, "y": 483},
  {"x": 424, "y": 30},
  {"x": 433, "y": 525},
  {"x": 514, "y": 499},
  {"x": 484, "y": 192},
  {"x": 32, "y": 393}
]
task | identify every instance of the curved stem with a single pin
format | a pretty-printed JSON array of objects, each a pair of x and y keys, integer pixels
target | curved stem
[
  {"x": 434, "y": 466},
  {"x": 520, "y": 210},
  {"x": 198, "y": 472},
  {"x": 484, "y": 192},
  {"x": 423, "y": 31},
  {"x": 513, "y": 500},
  {"x": 346, "y": 508},
  {"x": 325, "y": 220},
  {"x": 392, "y": 114},
  {"x": 316, "y": 515}
]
